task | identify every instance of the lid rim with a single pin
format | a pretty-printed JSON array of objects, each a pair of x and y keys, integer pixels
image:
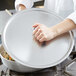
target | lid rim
[{"x": 40, "y": 66}]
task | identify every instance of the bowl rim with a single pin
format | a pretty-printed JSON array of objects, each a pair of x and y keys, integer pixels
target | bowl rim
[{"x": 4, "y": 57}]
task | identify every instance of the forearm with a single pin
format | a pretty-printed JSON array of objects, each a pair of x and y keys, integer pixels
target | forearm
[{"x": 64, "y": 26}]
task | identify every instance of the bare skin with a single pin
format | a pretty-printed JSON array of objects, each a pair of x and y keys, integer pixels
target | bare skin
[
  {"x": 21, "y": 7},
  {"x": 43, "y": 33}
]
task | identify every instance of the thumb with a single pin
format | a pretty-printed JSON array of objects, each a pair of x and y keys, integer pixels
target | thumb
[{"x": 36, "y": 25}]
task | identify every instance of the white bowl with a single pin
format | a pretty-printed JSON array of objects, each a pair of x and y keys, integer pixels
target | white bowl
[
  {"x": 13, "y": 65},
  {"x": 18, "y": 41}
]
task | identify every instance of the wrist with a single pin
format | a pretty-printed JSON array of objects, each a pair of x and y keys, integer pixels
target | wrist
[
  {"x": 63, "y": 27},
  {"x": 54, "y": 31}
]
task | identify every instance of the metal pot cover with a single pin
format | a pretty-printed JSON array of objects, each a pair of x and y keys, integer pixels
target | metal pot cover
[{"x": 18, "y": 40}]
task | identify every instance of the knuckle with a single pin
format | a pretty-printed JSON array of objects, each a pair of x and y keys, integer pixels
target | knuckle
[
  {"x": 40, "y": 30},
  {"x": 42, "y": 34}
]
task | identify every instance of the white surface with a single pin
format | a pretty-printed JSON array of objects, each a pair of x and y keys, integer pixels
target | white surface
[
  {"x": 62, "y": 7},
  {"x": 4, "y": 17},
  {"x": 18, "y": 40},
  {"x": 37, "y": 0},
  {"x": 13, "y": 65}
]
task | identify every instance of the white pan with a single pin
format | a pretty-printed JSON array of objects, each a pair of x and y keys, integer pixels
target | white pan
[
  {"x": 13, "y": 65},
  {"x": 18, "y": 41}
]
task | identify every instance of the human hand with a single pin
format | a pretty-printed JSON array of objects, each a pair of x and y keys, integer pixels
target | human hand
[
  {"x": 43, "y": 33},
  {"x": 21, "y": 7}
]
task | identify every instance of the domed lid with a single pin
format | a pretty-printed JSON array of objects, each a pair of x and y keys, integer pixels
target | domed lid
[{"x": 19, "y": 42}]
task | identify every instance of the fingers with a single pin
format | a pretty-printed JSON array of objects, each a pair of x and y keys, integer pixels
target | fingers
[
  {"x": 39, "y": 36},
  {"x": 37, "y": 33},
  {"x": 42, "y": 39},
  {"x": 36, "y": 25},
  {"x": 36, "y": 29}
]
